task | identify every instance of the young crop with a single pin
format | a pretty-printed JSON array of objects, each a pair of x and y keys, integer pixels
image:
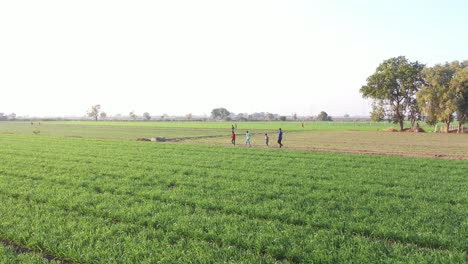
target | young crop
[{"x": 95, "y": 201}]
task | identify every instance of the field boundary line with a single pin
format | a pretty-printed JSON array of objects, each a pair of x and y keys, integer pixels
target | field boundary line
[{"x": 21, "y": 249}]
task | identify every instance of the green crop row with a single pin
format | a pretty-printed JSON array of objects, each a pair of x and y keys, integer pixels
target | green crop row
[
  {"x": 10, "y": 256},
  {"x": 92, "y": 201}
]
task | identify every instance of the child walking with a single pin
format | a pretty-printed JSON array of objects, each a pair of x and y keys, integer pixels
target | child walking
[
  {"x": 247, "y": 138},
  {"x": 233, "y": 138},
  {"x": 267, "y": 139}
]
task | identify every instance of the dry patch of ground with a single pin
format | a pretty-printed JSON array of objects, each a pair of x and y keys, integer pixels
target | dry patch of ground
[{"x": 433, "y": 145}]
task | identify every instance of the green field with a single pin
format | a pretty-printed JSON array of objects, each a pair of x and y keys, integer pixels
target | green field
[
  {"x": 113, "y": 201},
  {"x": 336, "y": 138},
  {"x": 258, "y": 125},
  {"x": 107, "y": 130},
  {"x": 263, "y": 125}
]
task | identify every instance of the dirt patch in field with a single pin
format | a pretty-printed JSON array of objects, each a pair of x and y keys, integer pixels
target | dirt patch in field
[
  {"x": 164, "y": 139},
  {"x": 348, "y": 151},
  {"x": 413, "y": 130},
  {"x": 23, "y": 250},
  {"x": 388, "y": 153}
]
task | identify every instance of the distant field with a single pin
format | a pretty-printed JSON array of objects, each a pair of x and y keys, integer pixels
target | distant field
[
  {"x": 106, "y": 130},
  {"x": 274, "y": 125},
  {"x": 340, "y": 140},
  {"x": 110, "y": 201}
]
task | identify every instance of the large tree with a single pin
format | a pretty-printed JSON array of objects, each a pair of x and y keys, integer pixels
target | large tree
[
  {"x": 394, "y": 85},
  {"x": 460, "y": 84},
  {"x": 220, "y": 113},
  {"x": 132, "y": 115},
  {"x": 438, "y": 98},
  {"x": 294, "y": 116},
  {"x": 12, "y": 116},
  {"x": 323, "y": 116},
  {"x": 146, "y": 116},
  {"x": 94, "y": 111}
]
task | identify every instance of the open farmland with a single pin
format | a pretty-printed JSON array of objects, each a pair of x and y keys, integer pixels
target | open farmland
[
  {"x": 107, "y": 130},
  {"x": 108, "y": 201},
  {"x": 254, "y": 125},
  {"x": 315, "y": 136}
]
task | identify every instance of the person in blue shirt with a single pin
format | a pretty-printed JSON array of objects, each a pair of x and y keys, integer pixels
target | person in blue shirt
[{"x": 280, "y": 137}]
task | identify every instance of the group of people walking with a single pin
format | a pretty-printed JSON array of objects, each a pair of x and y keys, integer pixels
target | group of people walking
[{"x": 248, "y": 136}]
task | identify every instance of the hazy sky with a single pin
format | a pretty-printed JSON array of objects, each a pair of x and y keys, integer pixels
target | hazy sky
[{"x": 179, "y": 57}]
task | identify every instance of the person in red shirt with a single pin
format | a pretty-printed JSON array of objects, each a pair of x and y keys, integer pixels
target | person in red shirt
[{"x": 233, "y": 138}]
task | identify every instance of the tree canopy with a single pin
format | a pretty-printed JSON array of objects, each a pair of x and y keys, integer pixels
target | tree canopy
[
  {"x": 394, "y": 85},
  {"x": 132, "y": 115},
  {"x": 323, "y": 116},
  {"x": 460, "y": 84},
  {"x": 220, "y": 113},
  {"x": 94, "y": 111},
  {"x": 445, "y": 93}
]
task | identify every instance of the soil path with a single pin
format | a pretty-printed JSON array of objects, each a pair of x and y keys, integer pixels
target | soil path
[
  {"x": 20, "y": 249},
  {"x": 352, "y": 151}
]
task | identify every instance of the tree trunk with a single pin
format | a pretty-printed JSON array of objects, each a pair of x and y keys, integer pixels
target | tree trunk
[
  {"x": 447, "y": 126},
  {"x": 401, "y": 124},
  {"x": 461, "y": 122}
]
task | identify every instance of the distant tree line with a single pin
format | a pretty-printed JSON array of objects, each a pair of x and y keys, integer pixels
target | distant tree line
[
  {"x": 224, "y": 114},
  {"x": 4, "y": 117},
  {"x": 404, "y": 90}
]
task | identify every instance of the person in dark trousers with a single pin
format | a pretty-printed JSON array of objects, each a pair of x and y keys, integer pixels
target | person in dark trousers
[
  {"x": 280, "y": 137},
  {"x": 267, "y": 139},
  {"x": 233, "y": 138}
]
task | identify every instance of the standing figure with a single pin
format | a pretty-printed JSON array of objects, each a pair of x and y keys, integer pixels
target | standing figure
[
  {"x": 267, "y": 139},
  {"x": 280, "y": 137},
  {"x": 247, "y": 138},
  {"x": 233, "y": 138},
  {"x": 232, "y": 128}
]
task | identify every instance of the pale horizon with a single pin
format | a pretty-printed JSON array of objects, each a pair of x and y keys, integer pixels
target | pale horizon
[{"x": 58, "y": 58}]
